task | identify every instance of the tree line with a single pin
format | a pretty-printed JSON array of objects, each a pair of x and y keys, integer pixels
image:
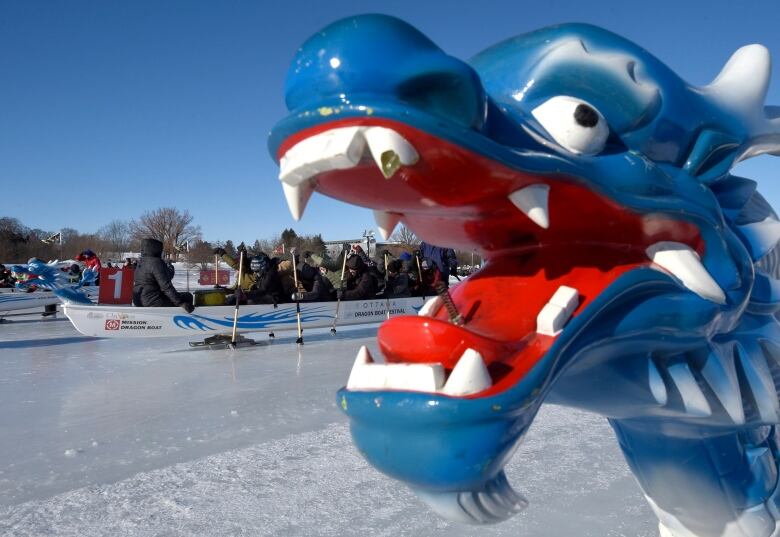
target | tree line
[{"x": 173, "y": 227}]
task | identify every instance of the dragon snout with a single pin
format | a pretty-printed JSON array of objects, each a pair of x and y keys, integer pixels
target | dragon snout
[
  {"x": 451, "y": 455},
  {"x": 386, "y": 59}
]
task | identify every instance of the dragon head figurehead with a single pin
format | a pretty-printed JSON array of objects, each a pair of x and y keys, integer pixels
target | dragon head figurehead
[
  {"x": 49, "y": 276},
  {"x": 628, "y": 272}
]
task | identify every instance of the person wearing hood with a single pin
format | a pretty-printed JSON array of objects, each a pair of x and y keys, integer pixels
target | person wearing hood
[
  {"x": 267, "y": 285},
  {"x": 318, "y": 288},
  {"x": 152, "y": 285},
  {"x": 398, "y": 282},
  {"x": 359, "y": 283}
]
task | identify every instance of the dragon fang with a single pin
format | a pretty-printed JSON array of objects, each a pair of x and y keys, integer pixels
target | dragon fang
[{"x": 629, "y": 273}]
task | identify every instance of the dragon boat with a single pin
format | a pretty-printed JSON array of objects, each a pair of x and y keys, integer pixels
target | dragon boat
[
  {"x": 629, "y": 272},
  {"x": 141, "y": 322},
  {"x": 52, "y": 288}
]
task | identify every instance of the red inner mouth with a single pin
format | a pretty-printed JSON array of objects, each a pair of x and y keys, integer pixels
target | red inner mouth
[{"x": 454, "y": 197}]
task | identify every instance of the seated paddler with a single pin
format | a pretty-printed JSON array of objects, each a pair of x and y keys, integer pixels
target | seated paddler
[{"x": 152, "y": 285}]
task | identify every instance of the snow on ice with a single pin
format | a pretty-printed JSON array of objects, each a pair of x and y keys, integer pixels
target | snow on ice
[{"x": 149, "y": 437}]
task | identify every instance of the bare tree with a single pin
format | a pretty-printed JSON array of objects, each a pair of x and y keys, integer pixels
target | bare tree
[
  {"x": 168, "y": 225},
  {"x": 405, "y": 237},
  {"x": 116, "y": 236},
  {"x": 202, "y": 253}
]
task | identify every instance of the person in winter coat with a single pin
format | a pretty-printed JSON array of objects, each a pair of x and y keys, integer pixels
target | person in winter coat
[
  {"x": 398, "y": 283},
  {"x": 246, "y": 279},
  {"x": 444, "y": 259},
  {"x": 332, "y": 267},
  {"x": 359, "y": 283},
  {"x": 267, "y": 286},
  {"x": 91, "y": 261},
  {"x": 431, "y": 276},
  {"x": 318, "y": 288},
  {"x": 6, "y": 277},
  {"x": 152, "y": 283},
  {"x": 73, "y": 273}
]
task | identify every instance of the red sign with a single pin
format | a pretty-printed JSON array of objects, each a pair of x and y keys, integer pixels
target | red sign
[
  {"x": 207, "y": 277},
  {"x": 112, "y": 324},
  {"x": 116, "y": 287}
]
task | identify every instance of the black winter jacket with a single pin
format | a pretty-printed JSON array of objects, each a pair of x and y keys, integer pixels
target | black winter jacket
[
  {"x": 269, "y": 284},
  {"x": 361, "y": 288},
  {"x": 152, "y": 283}
]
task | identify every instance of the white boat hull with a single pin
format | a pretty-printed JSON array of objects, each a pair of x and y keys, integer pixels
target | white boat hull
[
  {"x": 15, "y": 299},
  {"x": 134, "y": 322}
]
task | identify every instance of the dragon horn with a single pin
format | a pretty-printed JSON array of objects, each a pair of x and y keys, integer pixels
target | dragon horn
[{"x": 742, "y": 85}]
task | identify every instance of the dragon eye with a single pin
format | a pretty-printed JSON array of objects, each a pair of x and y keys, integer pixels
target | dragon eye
[{"x": 573, "y": 124}]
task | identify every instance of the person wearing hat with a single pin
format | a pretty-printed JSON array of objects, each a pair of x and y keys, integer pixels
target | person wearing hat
[
  {"x": 317, "y": 287},
  {"x": 358, "y": 284},
  {"x": 91, "y": 261},
  {"x": 267, "y": 285},
  {"x": 430, "y": 275}
]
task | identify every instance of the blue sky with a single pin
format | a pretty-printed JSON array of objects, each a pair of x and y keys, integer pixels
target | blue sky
[{"x": 108, "y": 109}]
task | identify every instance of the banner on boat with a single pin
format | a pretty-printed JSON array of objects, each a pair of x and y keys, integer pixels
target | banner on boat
[
  {"x": 116, "y": 285},
  {"x": 129, "y": 321},
  {"x": 207, "y": 277}
]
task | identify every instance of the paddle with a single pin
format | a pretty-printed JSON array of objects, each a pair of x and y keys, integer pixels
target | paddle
[
  {"x": 238, "y": 297},
  {"x": 299, "y": 341},
  {"x": 387, "y": 296},
  {"x": 341, "y": 288}
]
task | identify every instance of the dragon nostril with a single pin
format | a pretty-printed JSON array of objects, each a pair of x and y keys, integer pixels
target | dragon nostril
[{"x": 586, "y": 116}]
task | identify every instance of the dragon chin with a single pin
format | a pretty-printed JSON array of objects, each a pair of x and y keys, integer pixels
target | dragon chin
[{"x": 627, "y": 272}]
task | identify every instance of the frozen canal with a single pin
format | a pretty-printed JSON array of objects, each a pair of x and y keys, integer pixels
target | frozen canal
[{"x": 143, "y": 438}]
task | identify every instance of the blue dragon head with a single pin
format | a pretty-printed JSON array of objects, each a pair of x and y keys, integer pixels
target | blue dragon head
[
  {"x": 49, "y": 276},
  {"x": 628, "y": 272}
]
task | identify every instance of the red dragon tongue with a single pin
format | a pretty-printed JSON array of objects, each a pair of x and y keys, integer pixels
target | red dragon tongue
[{"x": 512, "y": 311}]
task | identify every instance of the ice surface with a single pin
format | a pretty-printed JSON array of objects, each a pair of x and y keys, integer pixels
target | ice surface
[{"x": 137, "y": 438}]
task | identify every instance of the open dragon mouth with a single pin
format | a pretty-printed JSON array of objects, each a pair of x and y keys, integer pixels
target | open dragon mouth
[{"x": 552, "y": 245}]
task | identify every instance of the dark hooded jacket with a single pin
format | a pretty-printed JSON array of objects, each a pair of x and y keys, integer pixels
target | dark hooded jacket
[
  {"x": 318, "y": 288},
  {"x": 267, "y": 287},
  {"x": 444, "y": 258},
  {"x": 363, "y": 285},
  {"x": 152, "y": 283}
]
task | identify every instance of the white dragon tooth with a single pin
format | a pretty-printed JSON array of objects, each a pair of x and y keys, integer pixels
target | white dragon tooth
[
  {"x": 694, "y": 400},
  {"x": 357, "y": 377},
  {"x": 415, "y": 377},
  {"x": 297, "y": 197},
  {"x": 533, "y": 202},
  {"x": 551, "y": 320},
  {"x": 656, "y": 382},
  {"x": 363, "y": 357},
  {"x": 431, "y": 307},
  {"x": 684, "y": 264},
  {"x": 390, "y": 150},
  {"x": 762, "y": 236},
  {"x": 566, "y": 297},
  {"x": 721, "y": 375},
  {"x": 336, "y": 149},
  {"x": 761, "y": 383},
  {"x": 368, "y": 377},
  {"x": 470, "y": 375},
  {"x": 386, "y": 222}
]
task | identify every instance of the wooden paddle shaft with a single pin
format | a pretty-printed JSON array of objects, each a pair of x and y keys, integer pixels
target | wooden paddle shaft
[{"x": 238, "y": 296}]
